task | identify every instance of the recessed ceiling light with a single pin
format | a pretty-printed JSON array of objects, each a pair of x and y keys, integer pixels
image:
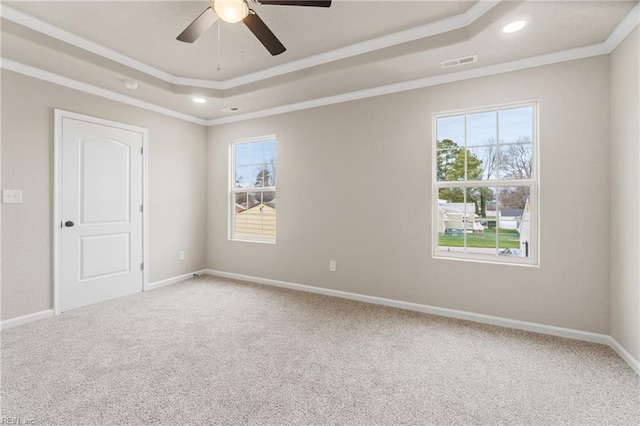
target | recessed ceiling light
[
  {"x": 513, "y": 27},
  {"x": 200, "y": 100},
  {"x": 230, "y": 110},
  {"x": 130, "y": 84}
]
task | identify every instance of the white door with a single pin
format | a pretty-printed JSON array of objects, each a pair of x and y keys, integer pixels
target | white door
[{"x": 101, "y": 212}]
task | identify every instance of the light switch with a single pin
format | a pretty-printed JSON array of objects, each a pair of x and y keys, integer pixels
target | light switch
[{"x": 11, "y": 196}]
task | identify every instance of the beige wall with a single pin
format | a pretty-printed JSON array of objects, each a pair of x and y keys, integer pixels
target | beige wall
[
  {"x": 177, "y": 188},
  {"x": 625, "y": 191},
  {"x": 336, "y": 162}
]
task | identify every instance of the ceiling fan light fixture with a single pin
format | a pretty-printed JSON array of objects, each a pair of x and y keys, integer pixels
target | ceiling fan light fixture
[{"x": 230, "y": 11}]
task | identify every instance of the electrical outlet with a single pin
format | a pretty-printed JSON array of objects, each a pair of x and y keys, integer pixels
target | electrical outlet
[
  {"x": 332, "y": 265},
  {"x": 181, "y": 255}
]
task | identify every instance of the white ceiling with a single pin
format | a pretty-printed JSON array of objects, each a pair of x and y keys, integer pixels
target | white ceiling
[{"x": 355, "y": 45}]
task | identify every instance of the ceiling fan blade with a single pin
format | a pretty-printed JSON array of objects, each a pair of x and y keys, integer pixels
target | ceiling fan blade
[
  {"x": 198, "y": 26},
  {"x": 313, "y": 3},
  {"x": 263, "y": 33}
]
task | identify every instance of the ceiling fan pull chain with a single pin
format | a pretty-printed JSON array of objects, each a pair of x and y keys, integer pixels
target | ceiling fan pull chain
[
  {"x": 242, "y": 42},
  {"x": 218, "y": 45}
]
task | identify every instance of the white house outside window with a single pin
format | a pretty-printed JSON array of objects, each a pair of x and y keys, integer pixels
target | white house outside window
[
  {"x": 253, "y": 190},
  {"x": 486, "y": 184}
]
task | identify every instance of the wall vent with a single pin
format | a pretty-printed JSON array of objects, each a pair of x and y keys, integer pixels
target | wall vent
[{"x": 459, "y": 61}]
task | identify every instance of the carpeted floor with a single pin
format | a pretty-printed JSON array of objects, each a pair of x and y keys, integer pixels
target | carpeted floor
[{"x": 211, "y": 350}]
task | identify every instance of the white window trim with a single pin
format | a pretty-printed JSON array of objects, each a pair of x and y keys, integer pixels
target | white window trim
[
  {"x": 232, "y": 193},
  {"x": 534, "y": 259}
]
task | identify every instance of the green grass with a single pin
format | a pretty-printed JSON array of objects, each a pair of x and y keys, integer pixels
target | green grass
[{"x": 507, "y": 239}]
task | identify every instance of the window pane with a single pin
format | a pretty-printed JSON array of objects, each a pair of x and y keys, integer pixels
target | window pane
[
  {"x": 269, "y": 197},
  {"x": 253, "y": 176},
  {"x": 489, "y": 212},
  {"x": 240, "y": 215},
  {"x": 243, "y": 177},
  {"x": 456, "y": 218},
  {"x": 482, "y": 163},
  {"x": 450, "y": 195},
  {"x": 525, "y": 230},
  {"x": 261, "y": 176},
  {"x": 256, "y": 153},
  {"x": 450, "y": 224},
  {"x": 251, "y": 222},
  {"x": 269, "y": 149},
  {"x": 516, "y": 161},
  {"x": 254, "y": 199},
  {"x": 241, "y": 201},
  {"x": 269, "y": 214},
  {"x": 473, "y": 165},
  {"x": 516, "y": 125},
  {"x": 480, "y": 237},
  {"x": 481, "y": 128},
  {"x": 265, "y": 176},
  {"x": 514, "y": 238},
  {"x": 241, "y": 154},
  {"x": 450, "y": 164},
  {"x": 272, "y": 173},
  {"x": 451, "y": 128}
]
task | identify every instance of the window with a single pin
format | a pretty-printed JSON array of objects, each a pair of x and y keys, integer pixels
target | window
[
  {"x": 485, "y": 184},
  {"x": 253, "y": 190}
]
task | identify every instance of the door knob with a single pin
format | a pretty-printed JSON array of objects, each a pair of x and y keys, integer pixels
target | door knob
[{"x": 68, "y": 224}]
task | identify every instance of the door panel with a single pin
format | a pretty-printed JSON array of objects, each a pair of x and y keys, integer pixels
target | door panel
[
  {"x": 102, "y": 255},
  {"x": 101, "y": 237},
  {"x": 105, "y": 181}
]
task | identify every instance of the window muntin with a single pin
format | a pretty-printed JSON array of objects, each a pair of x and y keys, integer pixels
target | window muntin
[
  {"x": 485, "y": 197},
  {"x": 253, "y": 190}
]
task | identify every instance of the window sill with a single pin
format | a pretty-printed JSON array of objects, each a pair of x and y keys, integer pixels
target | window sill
[
  {"x": 250, "y": 240},
  {"x": 508, "y": 261}
]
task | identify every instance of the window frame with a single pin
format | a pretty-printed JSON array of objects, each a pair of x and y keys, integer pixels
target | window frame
[
  {"x": 233, "y": 191},
  {"x": 533, "y": 183}
]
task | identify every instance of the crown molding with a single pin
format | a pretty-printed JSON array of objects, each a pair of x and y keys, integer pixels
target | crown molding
[
  {"x": 623, "y": 29},
  {"x": 547, "y": 59},
  {"x": 628, "y": 24},
  {"x": 441, "y": 26},
  {"x": 536, "y": 61},
  {"x": 58, "y": 33},
  {"x": 40, "y": 74}
]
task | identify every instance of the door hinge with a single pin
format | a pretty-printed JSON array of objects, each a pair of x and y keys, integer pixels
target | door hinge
[
  {"x": 141, "y": 207},
  {"x": 142, "y": 266},
  {"x": 141, "y": 150}
]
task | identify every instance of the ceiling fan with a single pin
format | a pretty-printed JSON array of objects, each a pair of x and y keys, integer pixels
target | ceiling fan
[{"x": 233, "y": 11}]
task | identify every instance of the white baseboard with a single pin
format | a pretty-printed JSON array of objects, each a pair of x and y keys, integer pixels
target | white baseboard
[
  {"x": 569, "y": 333},
  {"x": 25, "y": 319},
  {"x": 174, "y": 280},
  {"x": 49, "y": 313},
  {"x": 624, "y": 354},
  {"x": 444, "y": 312}
]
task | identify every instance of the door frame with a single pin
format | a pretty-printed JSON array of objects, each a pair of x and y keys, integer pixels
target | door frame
[{"x": 59, "y": 115}]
